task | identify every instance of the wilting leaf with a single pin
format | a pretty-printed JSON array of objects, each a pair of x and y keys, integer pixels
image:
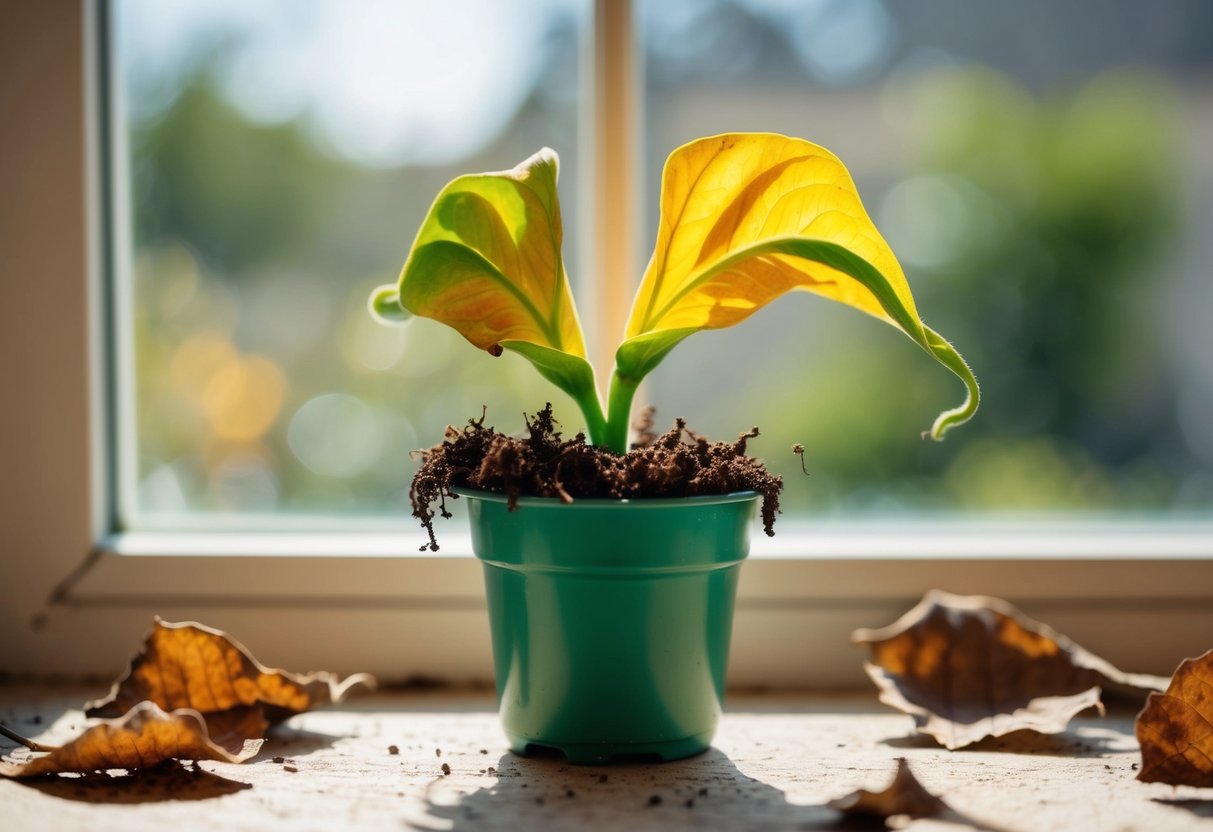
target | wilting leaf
[
  {"x": 1175, "y": 729},
  {"x": 143, "y": 737},
  {"x": 487, "y": 261},
  {"x": 188, "y": 665},
  {"x": 904, "y": 796},
  {"x": 748, "y": 217},
  {"x": 968, "y": 667}
]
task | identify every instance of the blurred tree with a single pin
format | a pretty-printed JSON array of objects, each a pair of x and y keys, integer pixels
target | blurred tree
[
  {"x": 1076, "y": 202},
  {"x": 256, "y": 248},
  {"x": 1037, "y": 234},
  {"x": 239, "y": 192}
]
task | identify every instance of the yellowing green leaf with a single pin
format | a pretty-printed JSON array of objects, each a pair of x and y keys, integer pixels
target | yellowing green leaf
[
  {"x": 487, "y": 261},
  {"x": 746, "y": 218}
]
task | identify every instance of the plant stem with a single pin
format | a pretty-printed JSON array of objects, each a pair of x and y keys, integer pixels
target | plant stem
[
  {"x": 595, "y": 422},
  {"x": 619, "y": 412},
  {"x": 28, "y": 743}
]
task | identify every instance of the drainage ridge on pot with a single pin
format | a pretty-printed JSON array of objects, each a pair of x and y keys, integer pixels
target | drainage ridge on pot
[{"x": 611, "y": 619}]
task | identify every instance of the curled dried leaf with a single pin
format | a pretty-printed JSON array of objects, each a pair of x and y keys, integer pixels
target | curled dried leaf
[
  {"x": 187, "y": 665},
  {"x": 970, "y": 667},
  {"x": 904, "y": 796},
  {"x": 143, "y": 737},
  {"x": 1175, "y": 729}
]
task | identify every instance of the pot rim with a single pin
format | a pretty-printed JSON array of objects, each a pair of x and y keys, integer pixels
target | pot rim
[{"x": 607, "y": 503}]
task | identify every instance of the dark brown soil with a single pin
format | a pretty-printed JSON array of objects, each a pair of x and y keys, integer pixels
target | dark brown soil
[{"x": 678, "y": 463}]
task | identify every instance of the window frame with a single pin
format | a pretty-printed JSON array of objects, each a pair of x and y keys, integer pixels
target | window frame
[{"x": 77, "y": 592}]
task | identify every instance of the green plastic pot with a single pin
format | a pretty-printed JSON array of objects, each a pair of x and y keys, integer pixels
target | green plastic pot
[{"x": 611, "y": 620}]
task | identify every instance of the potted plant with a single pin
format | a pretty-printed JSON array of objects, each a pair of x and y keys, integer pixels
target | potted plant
[{"x": 610, "y": 604}]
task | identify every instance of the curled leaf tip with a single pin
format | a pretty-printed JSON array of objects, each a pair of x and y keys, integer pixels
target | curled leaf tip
[
  {"x": 384, "y": 304},
  {"x": 544, "y": 154},
  {"x": 947, "y": 355},
  {"x": 544, "y": 162}
]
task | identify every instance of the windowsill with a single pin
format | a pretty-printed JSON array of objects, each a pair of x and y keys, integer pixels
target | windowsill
[
  {"x": 775, "y": 762},
  {"x": 832, "y": 564},
  {"x": 799, "y": 539},
  {"x": 1138, "y": 595}
]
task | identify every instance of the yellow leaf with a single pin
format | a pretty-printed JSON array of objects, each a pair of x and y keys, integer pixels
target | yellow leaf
[
  {"x": 487, "y": 262},
  {"x": 748, "y": 217}
]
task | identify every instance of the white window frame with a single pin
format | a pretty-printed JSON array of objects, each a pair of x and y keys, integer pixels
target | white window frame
[{"x": 76, "y": 593}]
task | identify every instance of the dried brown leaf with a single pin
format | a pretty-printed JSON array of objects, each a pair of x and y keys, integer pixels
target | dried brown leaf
[
  {"x": 904, "y": 796},
  {"x": 1175, "y": 729},
  {"x": 142, "y": 738},
  {"x": 970, "y": 667},
  {"x": 187, "y": 665}
]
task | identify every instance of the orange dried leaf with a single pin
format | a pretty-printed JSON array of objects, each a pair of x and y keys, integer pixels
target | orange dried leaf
[
  {"x": 970, "y": 667},
  {"x": 187, "y": 665},
  {"x": 904, "y": 796},
  {"x": 143, "y": 737},
  {"x": 1175, "y": 729}
]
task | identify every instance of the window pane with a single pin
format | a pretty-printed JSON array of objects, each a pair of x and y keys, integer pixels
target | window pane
[
  {"x": 1045, "y": 174},
  {"x": 274, "y": 161}
]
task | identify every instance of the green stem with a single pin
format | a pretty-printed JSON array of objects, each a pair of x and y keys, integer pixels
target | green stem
[
  {"x": 595, "y": 422},
  {"x": 619, "y": 412}
]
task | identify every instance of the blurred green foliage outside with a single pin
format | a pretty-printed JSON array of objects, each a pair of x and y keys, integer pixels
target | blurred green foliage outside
[
  {"x": 1040, "y": 232},
  {"x": 1037, "y": 234}
]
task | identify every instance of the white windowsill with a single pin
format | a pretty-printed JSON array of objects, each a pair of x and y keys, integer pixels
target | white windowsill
[
  {"x": 838, "y": 565},
  {"x": 959, "y": 539},
  {"x": 1138, "y": 594}
]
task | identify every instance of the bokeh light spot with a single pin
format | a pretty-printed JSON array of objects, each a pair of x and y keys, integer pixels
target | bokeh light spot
[
  {"x": 243, "y": 397},
  {"x": 336, "y": 435}
]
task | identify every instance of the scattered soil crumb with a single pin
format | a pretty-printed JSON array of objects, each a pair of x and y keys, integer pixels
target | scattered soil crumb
[
  {"x": 291, "y": 769},
  {"x": 437, "y": 752},
  {"x": 570, "y": 793},
  {"x": 484, "y": 751},
  {"x": 492, "y": 770},
  {"x": 602, "y": 778},
  {"x": 279, "y": 760},
  {"x": 446, "y": 768},
  {"x": 690, "y": 804},
  {"x": 678, "y": 463},
  {"x": 393, "y": 750},
  {"x": 703, "y": 792},
  {"x": 654, "y": 800}
]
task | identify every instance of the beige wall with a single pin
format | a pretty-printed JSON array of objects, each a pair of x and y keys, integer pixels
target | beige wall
[{"x": 45, "y": 509}]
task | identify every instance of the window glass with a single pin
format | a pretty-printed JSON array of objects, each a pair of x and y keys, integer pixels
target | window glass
[
  {"x": 273, "y": 162},
  {"x": 1045, "y": 174}
]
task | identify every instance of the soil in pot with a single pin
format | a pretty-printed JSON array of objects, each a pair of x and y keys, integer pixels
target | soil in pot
[{"x": 677, "y": 463}]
